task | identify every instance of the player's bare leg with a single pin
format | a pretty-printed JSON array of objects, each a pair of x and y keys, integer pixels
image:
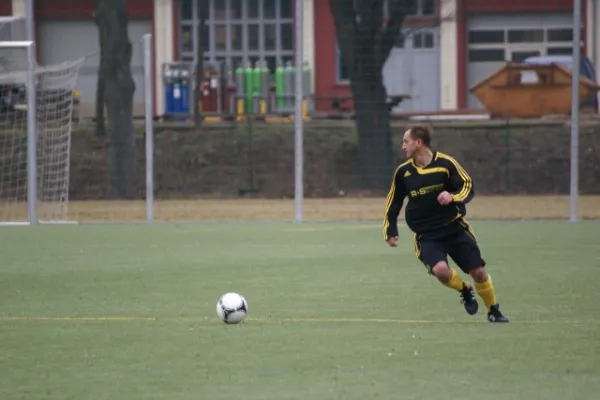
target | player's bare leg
[
  {"x": 485, "y": 289},
  {"x": 450, "y": 278}
]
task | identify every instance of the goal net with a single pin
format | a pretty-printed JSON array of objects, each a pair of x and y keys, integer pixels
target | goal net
[{"x": 54, "y": 88}]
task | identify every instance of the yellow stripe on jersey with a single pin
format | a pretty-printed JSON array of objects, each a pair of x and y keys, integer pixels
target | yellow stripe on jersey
[
  {"x": 467, "y": 181},
  {"x": 389, "y": 200}
]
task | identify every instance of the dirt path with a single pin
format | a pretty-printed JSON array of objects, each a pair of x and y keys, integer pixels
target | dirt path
[{"x": 351, "y": 209}]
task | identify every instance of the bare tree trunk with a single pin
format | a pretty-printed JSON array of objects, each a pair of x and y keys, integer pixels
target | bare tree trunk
[
  {"x": 100, "y": 87},
  {"x": 119, "y": 88},
  {"x": 365, "y": 44},
  {"x": 198, "y": 91},
  {"x": 200, "y": 64},
  {"x": 100, "y": 122}
]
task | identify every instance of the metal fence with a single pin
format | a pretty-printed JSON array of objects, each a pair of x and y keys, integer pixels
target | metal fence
[{"x": 310, "y": 167}]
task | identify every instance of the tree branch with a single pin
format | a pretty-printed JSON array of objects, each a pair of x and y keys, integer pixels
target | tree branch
[
  {"x": 386, "y": 38},
  {"x": 370, "y": 13},
  {"x": 344, "y": 20}
]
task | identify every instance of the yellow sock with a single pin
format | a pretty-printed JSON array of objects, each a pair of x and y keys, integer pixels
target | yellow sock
[
  {"x": 486, "y": 291},
  {"x": 455, "y": 282}
]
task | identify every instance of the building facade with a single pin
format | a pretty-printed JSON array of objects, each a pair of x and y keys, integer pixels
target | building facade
[{"x": 447, "y": 47}]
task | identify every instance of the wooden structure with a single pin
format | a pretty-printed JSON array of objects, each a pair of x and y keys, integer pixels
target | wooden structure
[{"x": 530, "y": 91}]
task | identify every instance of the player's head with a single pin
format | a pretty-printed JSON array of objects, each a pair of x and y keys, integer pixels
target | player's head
[{"x": 416, "y": 138}]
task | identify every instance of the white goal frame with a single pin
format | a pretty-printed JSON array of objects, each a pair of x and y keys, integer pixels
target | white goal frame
[{"x": 30, "y": 48}]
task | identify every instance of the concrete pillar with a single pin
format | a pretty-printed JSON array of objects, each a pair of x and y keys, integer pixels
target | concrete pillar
[
  {"x": 19, "y": 8},
  {"x": 164, "y": 32},
  {"x": 308, "y": 32},
  {"x": 448, "y": 55},
  {"x": 592, "y": 33}
]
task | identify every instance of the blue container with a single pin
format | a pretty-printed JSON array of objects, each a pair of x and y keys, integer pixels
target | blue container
[
  {"x": 176, "y": 92},
  {"x": 169, "y": 96},
  {"x": 185, "y": 93}
]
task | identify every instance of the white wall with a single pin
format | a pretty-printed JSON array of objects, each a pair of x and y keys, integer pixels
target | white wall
[
  {"x": 308, "y": 35},
  {"x": 163, "y": 46},
  {"x": 593, "y": 33},
  {"x": 448, "y": 55},
  {"x": 19, "y": 7}
]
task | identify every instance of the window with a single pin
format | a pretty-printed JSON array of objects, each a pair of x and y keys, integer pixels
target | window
[
  {"x": 287, "y": 37},
  {"x": 486, "y": 36},
  {"x": 286, "y": 9},
  {"x": 204, "y": 39},
  {"x": 559, "y": 51},
  {"x": 525, "y": 35},
  {"x": 219, "y": 9},
  {"x": 399, "y": 42},
  {"x": 520, "y": 56},
  {"x": 253, "y": 37},
  {"x": 560, "y": 35},
  {"x": 423, "y": 40},
  {"x": 486, "y": 55},
  {"x": 220, "y": 37},
  {"x": 253, "y": 9},
  {"x": 236, "y": 9},
  {"x": 343, "y": 74},
  {"x": 237, "y": 37},
  {"x": 186, "y": 9},
  {"x": 237, "y": 31},
  {"x": 269, "y": 9},
  {"x": 187, "y": 39},
  {"x": 187, "y": 58},
  {"x": 270, "y": 36},
  {"x": 415, "y": 8},
  {"x": 428, "y": 7}
]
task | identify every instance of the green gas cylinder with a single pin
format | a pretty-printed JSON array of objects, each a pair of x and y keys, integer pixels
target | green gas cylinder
[
  {"x": 248, "y": 79},
  {"x": 280, "y": 84}
]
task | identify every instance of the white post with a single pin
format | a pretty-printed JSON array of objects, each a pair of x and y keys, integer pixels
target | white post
[
  {"x": 149, "y": 114},
  {"x": 298, "y": 131},
  {"x": 574, "y": 191},
  {"x": 31, "y": 131},
  {"x": 29, "y": 21}
]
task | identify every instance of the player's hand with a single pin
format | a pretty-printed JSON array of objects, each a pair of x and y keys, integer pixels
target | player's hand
[
  {"x": 392, "y": 241},
  {"x": 445, "y": 198}
]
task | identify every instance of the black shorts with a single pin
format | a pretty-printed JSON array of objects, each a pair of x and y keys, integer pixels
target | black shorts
[{"x": 457, "y": 241}]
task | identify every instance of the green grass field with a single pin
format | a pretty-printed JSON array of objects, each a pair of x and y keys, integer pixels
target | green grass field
[{"x": 128, "y": 312}]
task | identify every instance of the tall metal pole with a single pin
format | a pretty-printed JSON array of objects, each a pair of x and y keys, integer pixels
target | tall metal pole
[
  {"x": 574, "y": 190},
  {"x": 298, "y": 131},
  {"x": 149, "y": 113},
  {"x": 31, "y": 135},
  {"x": 29, "y": 20}
]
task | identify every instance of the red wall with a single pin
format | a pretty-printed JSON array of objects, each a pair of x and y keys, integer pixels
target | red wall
[
  {"x": 326, "y": 58},
  {"x": 468, "y": 7},
  {"x": 325, "y": 72},
  {"x": 5, "y": 7},
  {"x": 84, "y": 9}
]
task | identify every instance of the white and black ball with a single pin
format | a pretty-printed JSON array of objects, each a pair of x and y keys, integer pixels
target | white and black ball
[{"x": 232, "y": 308}]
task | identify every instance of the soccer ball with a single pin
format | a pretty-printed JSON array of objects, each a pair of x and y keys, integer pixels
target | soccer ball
[{"x": 232, "y": 308}]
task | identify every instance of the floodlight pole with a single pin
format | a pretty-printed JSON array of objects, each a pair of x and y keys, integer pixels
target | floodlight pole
[
  {"x": 29, "y": 21},
  {"x": 298, "y": 131},
  {"x": 575, "y": 70},
  {"x": 149, "y": 123}
]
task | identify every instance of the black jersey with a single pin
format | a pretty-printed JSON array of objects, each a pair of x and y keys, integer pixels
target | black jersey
[{"x": 423, "y": 213}]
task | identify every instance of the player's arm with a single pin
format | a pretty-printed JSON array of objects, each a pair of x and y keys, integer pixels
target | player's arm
[
  {"x": 461, "y": 182},
  {"x": 393, "y": 205}
]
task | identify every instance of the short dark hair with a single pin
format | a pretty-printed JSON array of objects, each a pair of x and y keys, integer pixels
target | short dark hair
[{"x": 422, "y": 132}]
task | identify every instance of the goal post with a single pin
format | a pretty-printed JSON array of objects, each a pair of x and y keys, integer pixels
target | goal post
[{"x": 36, "y": 106}]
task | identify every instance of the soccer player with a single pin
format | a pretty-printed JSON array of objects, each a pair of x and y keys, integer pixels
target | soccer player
[{"x": 438, "y": 188}]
